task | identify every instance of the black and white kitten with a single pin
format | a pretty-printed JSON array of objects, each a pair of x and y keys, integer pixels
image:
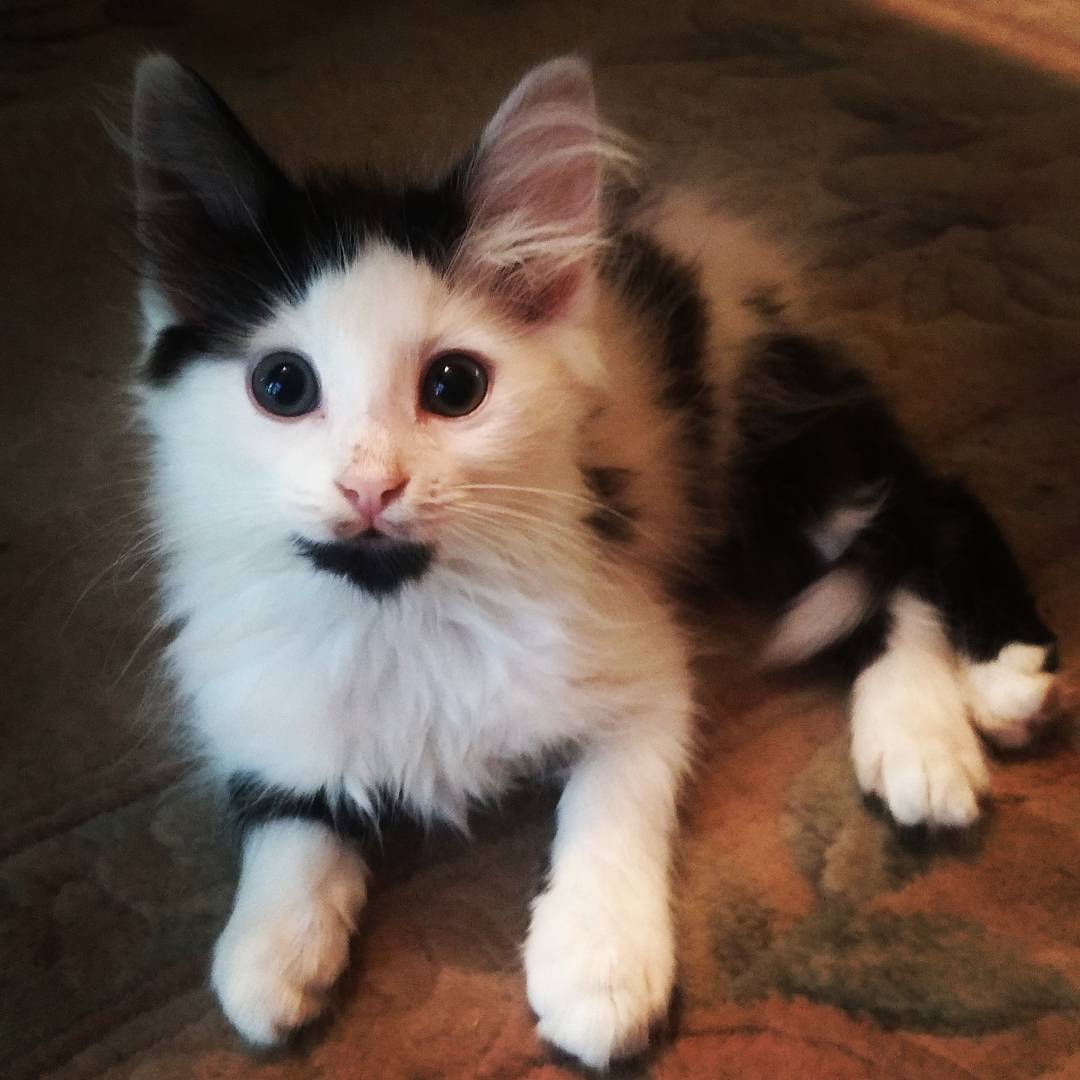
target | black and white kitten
[{"x": 430, "y": 463}]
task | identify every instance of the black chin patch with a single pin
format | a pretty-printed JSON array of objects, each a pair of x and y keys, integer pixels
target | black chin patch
[{"x": 378, "y": 564}]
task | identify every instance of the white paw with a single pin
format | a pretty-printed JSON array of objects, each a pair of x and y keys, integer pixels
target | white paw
[
  {"x": 272, "y": 971},
  {"x": 1010, "y": 697},
  {"x": 287, "y": 940},
  {"x": 598, "y": 981},
  {"x": 913, "y": 746}
]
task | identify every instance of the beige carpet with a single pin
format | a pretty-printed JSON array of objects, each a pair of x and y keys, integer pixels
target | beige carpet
[{"x": 939, "y": 182}]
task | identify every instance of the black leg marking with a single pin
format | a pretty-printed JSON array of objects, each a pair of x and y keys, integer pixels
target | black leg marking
[
  {"x": 972, "y": 576},
  {"x": 253, "y": 802}
]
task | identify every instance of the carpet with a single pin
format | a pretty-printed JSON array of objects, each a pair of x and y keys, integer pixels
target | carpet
[{"x": 936, "y": 181}]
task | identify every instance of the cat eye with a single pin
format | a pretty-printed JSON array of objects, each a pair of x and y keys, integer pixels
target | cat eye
[
  {"x": 454, "y": 385},
  {"x": 284, "y": 384}
]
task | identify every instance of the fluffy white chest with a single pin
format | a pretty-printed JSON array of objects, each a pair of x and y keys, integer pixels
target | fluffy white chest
[{"x": 438, "y": 694}]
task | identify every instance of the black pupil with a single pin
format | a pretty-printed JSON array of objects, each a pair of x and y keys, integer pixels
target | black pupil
[
  {"x": 286, "y": 384},
  {"x": 455, "y": 385}
]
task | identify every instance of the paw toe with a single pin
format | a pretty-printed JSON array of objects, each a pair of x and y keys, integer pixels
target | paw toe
[
  {"x": 597, "y": 989},
  {"x": 273, "y": 978},
  {"x": 597, "y": 1028},
  {"x": 1012, "y": 696}
]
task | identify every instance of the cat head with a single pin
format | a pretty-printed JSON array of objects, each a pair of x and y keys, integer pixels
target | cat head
[{"x": 374, "y": 376}]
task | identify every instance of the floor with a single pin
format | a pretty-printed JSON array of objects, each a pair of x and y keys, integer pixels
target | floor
[{"x": 935, "y": 182}]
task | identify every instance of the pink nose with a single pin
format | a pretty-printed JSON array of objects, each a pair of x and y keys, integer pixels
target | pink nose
[{"x": 370, "y": 497}]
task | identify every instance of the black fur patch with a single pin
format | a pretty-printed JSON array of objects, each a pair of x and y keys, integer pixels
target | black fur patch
[
  {"x": 174, "y": 349},
  {"x": 812, "y": 433},
  {"x": 1052, "y": 663},
  {"x": 614, "y": 520},
  {"x": 232, "y": 279},
  {"x": 224, "y": 274},
  {"x": 666, "y": 292},
  {"x": 380, "y": 565},
  {"x": 815, "y": 435},
  {"x": 972, "y": 576},
  {"x": 252, "y": 803}
]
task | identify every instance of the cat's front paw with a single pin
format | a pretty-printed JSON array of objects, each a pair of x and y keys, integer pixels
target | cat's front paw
[
  {"x": 1012, "y": 696},
  {"x": 272, "y": 970},
  {"x": 599, "y": 973},
  {"x": 918, "y": 753}
]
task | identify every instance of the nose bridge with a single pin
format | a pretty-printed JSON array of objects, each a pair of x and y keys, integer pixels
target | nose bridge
[{"x": 370, "y": 453}]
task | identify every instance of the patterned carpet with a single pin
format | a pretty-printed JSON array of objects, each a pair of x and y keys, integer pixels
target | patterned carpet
[{"x": 937, "y": 182}]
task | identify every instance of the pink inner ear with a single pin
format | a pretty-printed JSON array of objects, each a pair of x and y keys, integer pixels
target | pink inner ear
[{"x": 535, "y": 189}]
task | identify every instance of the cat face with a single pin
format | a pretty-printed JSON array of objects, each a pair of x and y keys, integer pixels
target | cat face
[{"x": 373, "y": 379}]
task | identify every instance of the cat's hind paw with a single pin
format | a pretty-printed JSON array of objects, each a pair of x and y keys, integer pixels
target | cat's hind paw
[
  {"x": 913, "y": 747},
  {"x": 1012, "y": 696},
  {"x": 928, "y": 779}
]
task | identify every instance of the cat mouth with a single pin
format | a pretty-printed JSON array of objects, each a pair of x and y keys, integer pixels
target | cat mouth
[{"x": 374, "y": 561}]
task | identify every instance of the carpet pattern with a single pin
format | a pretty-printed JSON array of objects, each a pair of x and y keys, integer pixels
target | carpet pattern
[{"x": 936, "y": 183}]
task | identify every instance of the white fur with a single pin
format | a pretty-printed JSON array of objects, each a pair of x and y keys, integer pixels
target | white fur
[
  {"x": 1009, "y": 696},
  {"x": 837, "y": 531},
  {"x": 821, "y": 614},
  {"x": 505, "y": 624},
  {"x": 910, "y": 737},
  {"x": 287, "y": 940},
  {"x": 599, "y": 958},
  {"x": 836, "y": 603}
]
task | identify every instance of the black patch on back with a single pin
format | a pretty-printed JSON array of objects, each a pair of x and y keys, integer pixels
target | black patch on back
[
  {"x": 665, "y": 292},
  {"x": 811, "y": 433},
  {"x": 614, "y": 519},
  {"x": 814, "y": 435},
  {"x": 380, "y": 565}
]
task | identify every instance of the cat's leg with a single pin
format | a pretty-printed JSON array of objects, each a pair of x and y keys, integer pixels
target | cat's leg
[
  {"x": 1008, "y": 657},
  {"x": 287, "y": 939},
  {"x": 903, "y": 574},
  {"x": 911, "y": 740},
  {"x": 599, "y": 958}
]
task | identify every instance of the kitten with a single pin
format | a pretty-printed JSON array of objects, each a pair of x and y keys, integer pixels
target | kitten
[{"x": 431, "y": 463}]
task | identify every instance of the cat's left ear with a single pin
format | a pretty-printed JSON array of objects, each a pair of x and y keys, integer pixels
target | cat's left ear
[
  {"x": 202, "y": 188},
  {"x": 534, "y": 193}
]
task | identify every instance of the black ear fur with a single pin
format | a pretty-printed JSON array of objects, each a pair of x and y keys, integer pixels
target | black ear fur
[{"x": 204, "y": 189}]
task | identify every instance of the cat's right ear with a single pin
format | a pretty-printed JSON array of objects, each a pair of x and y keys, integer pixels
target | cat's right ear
[
  {"x": 534, "y": 193},
  {"x": 200, "y": 179}
]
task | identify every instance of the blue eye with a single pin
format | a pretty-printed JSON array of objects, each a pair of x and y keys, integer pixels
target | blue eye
[
  {"x": 454, "y": 385},
  {"x": 284, "y": 384}
]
